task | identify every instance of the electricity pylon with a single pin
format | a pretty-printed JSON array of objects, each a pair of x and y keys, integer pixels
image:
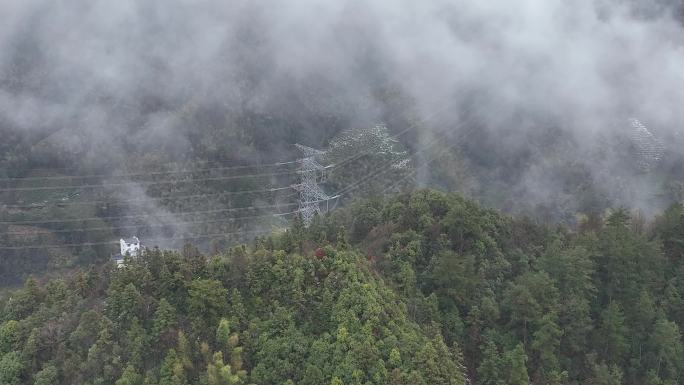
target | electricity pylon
[
  {"x": 649, "y": 149},
  {"x": 310, "y": 193}
]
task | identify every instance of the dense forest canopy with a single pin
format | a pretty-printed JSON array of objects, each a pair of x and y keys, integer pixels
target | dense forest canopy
[{"x": 423, "y": 288}]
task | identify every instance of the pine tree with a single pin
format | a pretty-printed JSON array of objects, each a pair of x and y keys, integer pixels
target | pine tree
[
  {"x": 237, "y": 308},
  {"x": 185, "y": 353},
  {"x": 491, "y": 370},
  {"x": 206, "y": 302},
  {"x": 517, "y": 370},
  {"x": 164, "y": 317},
  {"x": 229, "y": 343},
  {"x": 612, "y": 334},
  {"x": 602, "y": 374},
  {"x": 666, "y": 342},
  {"x": 129, "y": 304},
  {"x": 223, "y": 334},
  {"x": 219, "y": 373},
  {"x": 171, "y": 371},
  {"x": 545, "y": 344},
  {"x": 129, "y": 377},
  {"x": 342, "y": 242},
  {"x": 48, "y": 375},
  {"x": 136, "y": 344}
]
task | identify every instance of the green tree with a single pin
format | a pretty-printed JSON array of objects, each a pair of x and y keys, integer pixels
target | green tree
[
  {"x": 102, "y": 358},
  {"x": 185, "y": 354},
  {"x": 129, "y": 305},
  {"x": 666, "y": 342},
  {"x": 171, "y": 371},
  {"x": 527, "y": 299},
  {"x": 11, "y": 368},
  {"x": 492, "y": 367},
  {"x": 129, "y": 377},
  {"x": 394, "y": 358},
  {"x": 602, "y": 374},
  {"x": 670, "y": 228},
  {"x": 48, "y": 375},
  {"x": 163, "y": 322},
  {"x": 517, "y": 370},
  {"x": 136, "y": 343},
  {"x": 207, "y": 300},
  {"x": 223, "y": 334},
  {"x": 545, "y": 345},
  {"x": 237, "y": 308},
  {"x": 9, "y": 336},
  {"x": 219, "y": 373},
  {"x": 612, "y": 334},
  {"x": 229, "y": 343}
]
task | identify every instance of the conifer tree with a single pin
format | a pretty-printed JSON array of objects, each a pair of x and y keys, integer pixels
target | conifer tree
[
  {"x": 129, "y": 377},
  {"x": 48, "y": 375},
  {"x": 612, "y": 334},
  {"x": 517, "y": 369},
  {"x": 491, "y": 370}
]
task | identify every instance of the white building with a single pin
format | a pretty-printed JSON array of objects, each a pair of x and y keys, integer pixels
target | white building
[{"x": 129, "y": 246}]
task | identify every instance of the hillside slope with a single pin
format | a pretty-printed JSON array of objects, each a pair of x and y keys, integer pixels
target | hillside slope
[
  {"x": 263, "y": 317},
  {"x": 420, "y": 288},
  {"x": 531, "y": 304}
]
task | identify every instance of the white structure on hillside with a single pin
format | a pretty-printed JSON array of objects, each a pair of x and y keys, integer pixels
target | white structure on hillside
[{"x": 129, "y": 246}]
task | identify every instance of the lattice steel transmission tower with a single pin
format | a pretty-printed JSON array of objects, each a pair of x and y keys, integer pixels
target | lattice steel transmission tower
[
  {"x": 649, "y": 149},
  {"x": 311, "y": 195}
]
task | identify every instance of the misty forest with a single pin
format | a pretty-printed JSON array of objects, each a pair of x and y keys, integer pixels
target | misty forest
[{"x": 439, "y": 192}]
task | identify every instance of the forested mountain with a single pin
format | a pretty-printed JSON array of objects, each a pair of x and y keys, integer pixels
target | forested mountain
[
  {"x": 422, "y": 288},
  {"x": 273, "y": 315},
  {"x": 375, "y": 192}
]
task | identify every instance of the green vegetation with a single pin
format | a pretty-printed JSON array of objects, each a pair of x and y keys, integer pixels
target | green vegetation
[{"x": 423, "y": 288}]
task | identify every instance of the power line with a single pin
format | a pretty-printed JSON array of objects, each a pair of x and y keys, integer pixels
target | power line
[
  {"x": 383, "y": 169},
  {"x": 116, "y": 201},
  {"x": 343, "y": 191},
  {"x": 143, "y": 183},
  {"x": 326, "y": 198},
  {"x": 349, "y": 159},
  {"x": 430, "y": 117},
  {"x": 277, "y": 164},
  {"x": 126, "y": 175},
  {"x": 311, "y": 194},
  {"x": 88, "y": 229},
  {"x": 116, "y": 242},
  {"x": 427, "y": 163},
  {"x": 151, "y": 183},
  {"x": 154, "y": 183},
  {"x": 22, "y": 223}
]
